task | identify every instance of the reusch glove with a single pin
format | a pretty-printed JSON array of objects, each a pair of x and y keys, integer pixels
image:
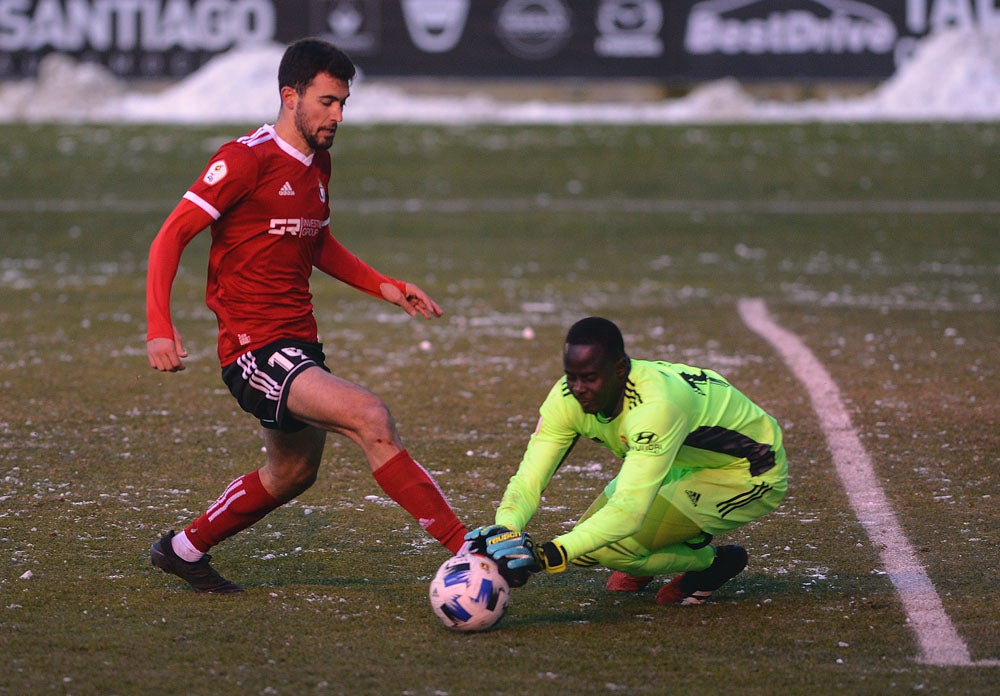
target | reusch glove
[
  {"x": 503, "y": 545},
  {"x": 521, "y": 553},
  {"x": 477, "y": 538}
]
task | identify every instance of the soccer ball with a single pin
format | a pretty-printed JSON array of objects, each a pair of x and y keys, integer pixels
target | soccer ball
[{"x": 468, "y": 593}]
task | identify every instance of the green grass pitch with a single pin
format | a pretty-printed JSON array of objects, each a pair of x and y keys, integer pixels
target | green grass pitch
[{"x": 878, "y": 245}]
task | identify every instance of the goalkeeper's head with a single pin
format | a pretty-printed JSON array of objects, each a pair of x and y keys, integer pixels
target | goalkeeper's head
[
  {"x": 596, "y": 366},
  {"x": 598, "y": 331}
]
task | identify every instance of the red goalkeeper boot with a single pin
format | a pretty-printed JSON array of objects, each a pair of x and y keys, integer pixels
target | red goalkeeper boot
[{"x": 623, "y": 582}]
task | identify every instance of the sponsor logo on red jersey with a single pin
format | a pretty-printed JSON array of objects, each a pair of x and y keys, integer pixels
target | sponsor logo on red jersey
[{"x": 295, "y": 227}]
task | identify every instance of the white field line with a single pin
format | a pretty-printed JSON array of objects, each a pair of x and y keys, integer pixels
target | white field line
[
  {"x": 548, "y": 203},
  {"x": 939, "y": 642}
]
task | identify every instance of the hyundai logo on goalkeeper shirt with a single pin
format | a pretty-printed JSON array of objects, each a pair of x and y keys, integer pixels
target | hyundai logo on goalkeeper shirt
[
  {"x": 644, "y": 438},
  {"x": 645, "y": 441}
]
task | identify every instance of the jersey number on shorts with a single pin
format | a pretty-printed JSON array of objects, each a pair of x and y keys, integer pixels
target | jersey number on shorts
[{"x": 279, "y": 360}]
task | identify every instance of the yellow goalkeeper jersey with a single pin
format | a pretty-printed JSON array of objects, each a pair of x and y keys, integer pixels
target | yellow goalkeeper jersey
[{"x": 673, "y": 415}]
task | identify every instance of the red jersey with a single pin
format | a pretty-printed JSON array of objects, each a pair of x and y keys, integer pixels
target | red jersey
[{"x": 270, "y": 215}]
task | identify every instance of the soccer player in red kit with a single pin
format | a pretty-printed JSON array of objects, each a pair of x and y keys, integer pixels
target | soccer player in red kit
[{"x": 265, "y": 197}]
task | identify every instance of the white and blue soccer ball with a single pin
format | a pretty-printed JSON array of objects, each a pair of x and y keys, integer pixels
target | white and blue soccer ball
[{"x": 468, "y": 593}]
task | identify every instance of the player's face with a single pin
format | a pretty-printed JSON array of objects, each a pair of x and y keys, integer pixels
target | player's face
[
  {"x": 319, "y": 109},
  {"x": 596, "y": 381}
]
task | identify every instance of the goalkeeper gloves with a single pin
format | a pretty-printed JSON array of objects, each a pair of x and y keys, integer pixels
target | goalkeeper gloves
[
  {"x": 519, "y": 551},
  {"x": 485, "y": 540},
  {"x": 478, "y": 537},
  {"x": 515, "y": 552}
]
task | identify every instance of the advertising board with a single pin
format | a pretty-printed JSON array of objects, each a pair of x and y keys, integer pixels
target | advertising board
[{"x": 671, "y": 41}]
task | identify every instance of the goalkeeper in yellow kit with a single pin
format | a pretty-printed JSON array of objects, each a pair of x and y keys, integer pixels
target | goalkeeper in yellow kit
[{"x": 699, "y": 459}]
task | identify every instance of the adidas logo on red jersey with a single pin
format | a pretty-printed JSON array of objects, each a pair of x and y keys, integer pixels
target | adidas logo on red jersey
[{"x": 286, "y": 190}]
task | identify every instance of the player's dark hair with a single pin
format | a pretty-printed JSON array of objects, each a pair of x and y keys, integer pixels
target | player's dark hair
[
  {"x": 306, "y": 58},
  {"x": 597, "y": 331}
]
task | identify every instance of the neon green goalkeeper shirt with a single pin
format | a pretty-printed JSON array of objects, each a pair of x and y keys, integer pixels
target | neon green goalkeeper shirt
[{"x": 671, "y": 413}]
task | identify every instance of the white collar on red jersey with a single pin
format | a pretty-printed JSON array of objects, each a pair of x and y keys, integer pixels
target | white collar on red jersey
[{"x": 287, "y": 148}]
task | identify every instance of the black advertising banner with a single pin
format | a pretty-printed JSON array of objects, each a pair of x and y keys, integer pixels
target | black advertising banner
[
  {"x": 663, "y": 40},
  {"x": 133, "y": 38},
  {"x": 671, "y": 41}
]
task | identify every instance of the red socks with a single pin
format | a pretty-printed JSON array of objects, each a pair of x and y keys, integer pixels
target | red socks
[
  {"x": 242, "y": 504},
  {"x": 245, "y": 502},
  {"x": 409, "y": 484}
]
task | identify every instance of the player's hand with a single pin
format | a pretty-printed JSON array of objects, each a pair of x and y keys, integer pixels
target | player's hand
[
  {"x": 515, "y": 548},
  {"x": 477, "y": 538},
  {"x": 414, "y": 300},
  {"x": 491, "y": 538},
  {"x": 165, "y": 354},
  {"x": 519, "y": 554}
]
